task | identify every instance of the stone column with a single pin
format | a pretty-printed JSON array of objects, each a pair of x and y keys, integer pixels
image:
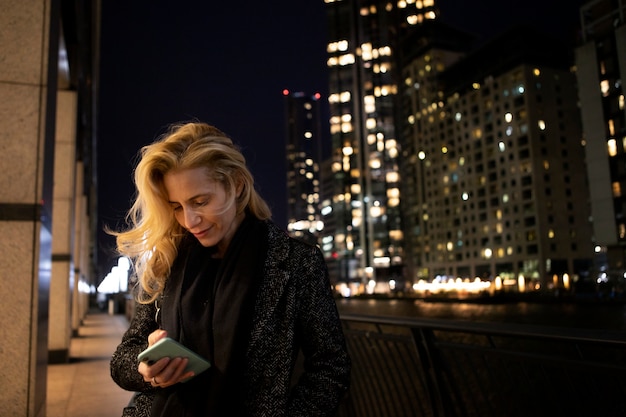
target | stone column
[
  {"x": 65, "y": 166},
  {"x": 27, "y": 119}
]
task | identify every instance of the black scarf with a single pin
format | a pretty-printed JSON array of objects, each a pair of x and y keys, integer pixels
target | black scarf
[{"x": 208, "y": 305}]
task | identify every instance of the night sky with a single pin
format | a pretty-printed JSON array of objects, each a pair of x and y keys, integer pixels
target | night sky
[{"x": 227, "y": 64}]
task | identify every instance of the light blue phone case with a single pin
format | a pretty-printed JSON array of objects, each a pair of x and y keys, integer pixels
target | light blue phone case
[{"x": 170, "y": 348}]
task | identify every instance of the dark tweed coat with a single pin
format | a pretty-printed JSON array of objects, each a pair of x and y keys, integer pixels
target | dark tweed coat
[{"x": 295, "y": 310}]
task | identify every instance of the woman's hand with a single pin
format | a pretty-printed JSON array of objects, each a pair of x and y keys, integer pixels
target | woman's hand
[{"x": 166, "y": 371}]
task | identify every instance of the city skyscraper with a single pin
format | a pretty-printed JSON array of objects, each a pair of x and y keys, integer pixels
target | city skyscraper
[
  {"x": 493, "y": 171},
  {"x": 601, "y": 72},
  {"x": 364, "y": 245},
  {"x": 304, "y": 153}
]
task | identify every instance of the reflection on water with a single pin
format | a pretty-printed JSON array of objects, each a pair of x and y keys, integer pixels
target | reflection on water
[{"x": 578, "y": 315}]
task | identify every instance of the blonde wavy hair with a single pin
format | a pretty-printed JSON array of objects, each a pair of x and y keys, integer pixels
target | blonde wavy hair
[{"x": 152, "y": 239}]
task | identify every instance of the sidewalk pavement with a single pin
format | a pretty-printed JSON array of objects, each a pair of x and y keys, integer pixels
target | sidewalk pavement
[{"x": 83, "y": 387}]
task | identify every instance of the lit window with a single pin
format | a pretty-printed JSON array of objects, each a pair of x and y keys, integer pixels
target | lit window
[
  {"x": 392, "y": 177},
  {"x": 501, "y": 146},
  {"x": 612, "y": 147},
  {"x": 611, "y": 127},
  {"x": 396, "y": 234},
  {"x": 508, "y": 117},
  {"x": 370, "y": 104},
  {"x": 346, "y": 59},
  {"x": 415, "y": 19},
  {"x": 541, "y": 124},
  {"x": 617, "y": 189},
  {"x": 536, "y": 72},
  {"x": 604, "y": 87},
  {"x": 377, "y": 211}
]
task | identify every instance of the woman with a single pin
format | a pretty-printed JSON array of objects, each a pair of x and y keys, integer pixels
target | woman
[{"x": 218, "y": 276}]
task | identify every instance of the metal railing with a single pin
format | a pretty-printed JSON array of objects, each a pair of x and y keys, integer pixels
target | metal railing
[{"x": 436, "y": 367}]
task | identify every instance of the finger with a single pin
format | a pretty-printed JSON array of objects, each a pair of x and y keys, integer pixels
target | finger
[
  {"x": 172, "y": 371},
  {"x": 180, "y": 373},
  {"x": 155, "y": 336},
  {"x": 149, "y": 370}
]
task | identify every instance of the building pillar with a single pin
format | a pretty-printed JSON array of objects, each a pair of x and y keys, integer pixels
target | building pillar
[
  {"x": 81, "y": 253},
  {"x": 602, "y": 212},
  {"x": 61, "y": 285},
  {"x": 29, "y": 31}
]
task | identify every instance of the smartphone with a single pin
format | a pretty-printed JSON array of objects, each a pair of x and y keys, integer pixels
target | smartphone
[{"x": 170, "y": 348}]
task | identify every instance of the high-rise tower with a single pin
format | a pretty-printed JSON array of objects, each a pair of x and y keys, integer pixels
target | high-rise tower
[
  {"x": 303, "y": 160},
  {"x": 498, "y": 180},
  {"x": 601, "y": 74},
  {"x": 365, "y": 246}
]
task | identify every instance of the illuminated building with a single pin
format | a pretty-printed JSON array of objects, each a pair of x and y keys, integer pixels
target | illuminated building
[
  {"x": 303, "y": 159},
  {"x": 494, "y": 168},
  {"x": 364, "y": 246},
  {"x": 601, "y": 73}
]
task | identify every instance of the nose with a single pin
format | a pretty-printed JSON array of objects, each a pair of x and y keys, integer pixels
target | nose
[{"x": 190, "y": 219}]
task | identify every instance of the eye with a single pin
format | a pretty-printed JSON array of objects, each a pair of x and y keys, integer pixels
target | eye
[
  {"x": 176, "y": 207},
  {"x": 200, "y": 203}
]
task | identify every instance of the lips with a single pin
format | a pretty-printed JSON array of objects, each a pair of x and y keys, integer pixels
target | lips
[
  {"x": 198, "y": 235},
  {"x": 201, "y": 233}
]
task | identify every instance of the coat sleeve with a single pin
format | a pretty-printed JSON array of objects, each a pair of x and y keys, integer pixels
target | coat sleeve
[
  {"x": 326, "y": 375},
  {"x": 124, "y": 361}
]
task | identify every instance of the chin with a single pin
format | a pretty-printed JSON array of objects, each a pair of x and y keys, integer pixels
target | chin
[{"x": 207, "y": 243}]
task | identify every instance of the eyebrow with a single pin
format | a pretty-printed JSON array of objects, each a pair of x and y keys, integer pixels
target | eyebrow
[{"x": 202, "y": 195}]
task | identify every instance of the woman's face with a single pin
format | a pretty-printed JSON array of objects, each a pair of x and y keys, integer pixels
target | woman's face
[{"x": 202, "y": 206}]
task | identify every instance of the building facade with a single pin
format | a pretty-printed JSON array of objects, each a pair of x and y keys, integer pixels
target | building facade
[
  {"x": 494, "y": 177},
  {"x": 365, "y": 247},
  {"x": 304, "y": 153},
  {"x": 601, "y": 72}
]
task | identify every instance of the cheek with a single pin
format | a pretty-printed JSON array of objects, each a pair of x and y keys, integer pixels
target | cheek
[{"x": 179, "y": 217}]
